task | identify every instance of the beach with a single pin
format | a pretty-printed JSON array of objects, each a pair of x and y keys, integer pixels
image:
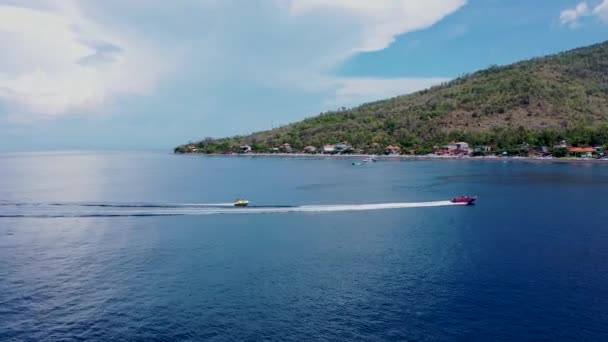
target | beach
[{"x": 409, "y": 157}]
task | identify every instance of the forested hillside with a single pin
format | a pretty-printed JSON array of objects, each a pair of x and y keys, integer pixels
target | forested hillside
[{"x": 538, "y": 101}]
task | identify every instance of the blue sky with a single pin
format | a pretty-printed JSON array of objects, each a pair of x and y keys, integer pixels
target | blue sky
[{"x": 152, "y": 74}]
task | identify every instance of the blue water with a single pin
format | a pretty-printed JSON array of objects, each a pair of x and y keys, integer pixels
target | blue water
[{"x": 528, "y": 262}]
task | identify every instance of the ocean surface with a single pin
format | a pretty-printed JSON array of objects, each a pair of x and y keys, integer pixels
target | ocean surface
[{"x": 143, "y": 246}]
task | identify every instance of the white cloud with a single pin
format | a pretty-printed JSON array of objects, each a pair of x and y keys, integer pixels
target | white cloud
[
  {"x": 55, "y": 60},
  {"x": 66, "y": 56},
  {"x": 302, "y": 42},
  {"x": 356, "y": 90},
  {"x": 601, "y": 11},
  {"x": 380, "y": 21},
  {"x": 571, "y": 17}
]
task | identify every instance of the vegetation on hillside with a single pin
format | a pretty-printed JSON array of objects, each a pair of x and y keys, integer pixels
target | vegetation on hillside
[{"x": 539, "y": 101}]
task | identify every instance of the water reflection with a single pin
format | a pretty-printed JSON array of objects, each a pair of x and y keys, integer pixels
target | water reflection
[{"x": 47, "y": 176}]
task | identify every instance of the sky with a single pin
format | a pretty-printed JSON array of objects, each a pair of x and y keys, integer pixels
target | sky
[{"x": 152, "y": 74}]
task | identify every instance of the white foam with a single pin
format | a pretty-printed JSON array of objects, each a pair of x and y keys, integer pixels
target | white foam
[{"x": 227, "y": 204}]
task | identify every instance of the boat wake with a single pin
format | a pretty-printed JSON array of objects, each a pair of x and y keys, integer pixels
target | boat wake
[
  {"x": 115, "y": 205},
  {"x": 49, "y": 210}
]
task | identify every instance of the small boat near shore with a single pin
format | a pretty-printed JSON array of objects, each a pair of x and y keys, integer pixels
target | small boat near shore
[
  {"x": 241, "y": 202},
  {"x": 469, "y": 200}
]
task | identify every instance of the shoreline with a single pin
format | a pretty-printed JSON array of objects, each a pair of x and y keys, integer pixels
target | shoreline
[{"x": 404, "y": 157}]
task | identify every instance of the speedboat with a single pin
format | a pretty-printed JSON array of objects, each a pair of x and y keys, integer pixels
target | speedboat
[
  {"x": 240, "y": 202},
  {"x": 469, "y": 200},
  {"x": 369, "y": 160}
]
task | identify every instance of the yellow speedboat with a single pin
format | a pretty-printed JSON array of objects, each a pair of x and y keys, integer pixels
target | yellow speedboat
[{"x": 240, "y": 202}]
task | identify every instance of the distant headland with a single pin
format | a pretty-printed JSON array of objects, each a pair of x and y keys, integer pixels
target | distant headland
[{"x": 549, "y": 107}]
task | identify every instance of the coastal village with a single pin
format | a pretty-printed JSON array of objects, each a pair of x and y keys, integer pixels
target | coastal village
[{"x": 455, "y": 149}]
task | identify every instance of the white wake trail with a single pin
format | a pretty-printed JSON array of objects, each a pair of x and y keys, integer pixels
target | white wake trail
[
  {"x": 295, "y": 209},
  {"x": 189, "y": 209}
]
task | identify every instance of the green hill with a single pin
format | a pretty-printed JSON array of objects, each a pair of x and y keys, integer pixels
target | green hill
[{"x": 538, "y": 101}]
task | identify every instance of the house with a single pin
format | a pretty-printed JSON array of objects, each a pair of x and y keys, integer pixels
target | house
[
  {"x": 463, "y": 146},
  {"x": 310, "y": 149},
  {"x": 561, "y": 144},
  {"x": 392, "y": 149},
  {"x": 245, "y": 149},
  {"x": 458, "y": 147},
  {"x": 443, "y": 150},
  {"x": 582, "y": 152},
  {"x": 343, "y": 147},
  {"x": 539, "y": 149},
  {"x": 191, "y": 148},
  {"x": 286, "y": 148},
  {"x": 482, "y": 149},
  {"x": 274, "y": 150},
  {"x": 329, "y": 149}
]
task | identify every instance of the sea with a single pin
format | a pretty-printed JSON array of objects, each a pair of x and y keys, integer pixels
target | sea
[{"x": 146, "y": 246}]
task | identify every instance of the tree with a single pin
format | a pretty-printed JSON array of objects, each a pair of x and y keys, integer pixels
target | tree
[{"x": 559, "y": 152}]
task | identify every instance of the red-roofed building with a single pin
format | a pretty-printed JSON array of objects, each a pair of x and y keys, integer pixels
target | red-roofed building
[
  {"x": 583, "y": 152},
  {"x": 392, "y": 149}
]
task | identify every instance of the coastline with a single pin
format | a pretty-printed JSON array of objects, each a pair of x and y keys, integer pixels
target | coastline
[{"x": 405, "y": 157}]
